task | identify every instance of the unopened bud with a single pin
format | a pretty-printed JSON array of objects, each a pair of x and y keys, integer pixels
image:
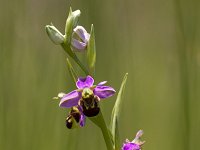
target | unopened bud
[
  {"x": 54, "y": 34},
  {"x": 80, "y": 39},
  {"x": 71, "y": 23}
]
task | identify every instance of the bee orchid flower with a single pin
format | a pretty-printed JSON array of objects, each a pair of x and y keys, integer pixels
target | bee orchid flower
[{"x": 87, "y": 96}]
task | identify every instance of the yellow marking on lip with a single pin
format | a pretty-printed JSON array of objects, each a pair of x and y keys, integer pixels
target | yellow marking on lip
[{"x": 87, "y": 92}]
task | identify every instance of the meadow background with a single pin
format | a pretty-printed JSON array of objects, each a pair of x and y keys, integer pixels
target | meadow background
[{"x": 156, "y": 41}]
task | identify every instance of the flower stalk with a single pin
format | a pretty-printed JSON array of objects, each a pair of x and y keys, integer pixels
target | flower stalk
[
  {"x": 100, "y": 122},
  {"x": 73, "y": 56}
]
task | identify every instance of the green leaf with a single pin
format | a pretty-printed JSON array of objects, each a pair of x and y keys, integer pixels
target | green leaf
[
  {"x": 72, "y": 71},
  {"x": 115, "y": 114},
  {"x": 91, "y": 51},
  {"x": 71, "y": 22}
]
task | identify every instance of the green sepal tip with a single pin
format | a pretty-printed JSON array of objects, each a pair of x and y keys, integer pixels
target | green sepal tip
[
  {"x": 71, "y": 23},
  {"x": 91, "y": 51}
]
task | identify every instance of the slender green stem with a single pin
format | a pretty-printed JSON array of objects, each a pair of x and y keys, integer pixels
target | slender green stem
[
  {"x": 81, "y": 65},
  {"x": 74, "y": 57},
  {"x": 100, "y": 122}
]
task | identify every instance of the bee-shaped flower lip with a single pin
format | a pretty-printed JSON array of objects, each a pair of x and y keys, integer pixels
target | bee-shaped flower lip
[
  {"x": 100, "y": 90},
  {"x": 75, "y": 117}
]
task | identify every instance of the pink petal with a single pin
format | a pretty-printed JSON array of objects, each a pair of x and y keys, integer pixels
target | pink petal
[
  {"x": 70, "y": 99},
  {"x": 85, "y": 82},
  {"x": 104, "y": 91}
]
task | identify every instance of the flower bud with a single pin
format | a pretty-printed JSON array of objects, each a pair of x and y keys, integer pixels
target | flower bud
[
  {"x": 54, "y": 34},
  {"x": 80, "y": 39},
  {"x": 71, "y": 23}
]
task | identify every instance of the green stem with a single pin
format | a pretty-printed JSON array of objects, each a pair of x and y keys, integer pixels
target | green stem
[
  {"x": 100, "y": 122},
  {"x": 81, "y": 65},
  {"x": 74, "y": 57}
]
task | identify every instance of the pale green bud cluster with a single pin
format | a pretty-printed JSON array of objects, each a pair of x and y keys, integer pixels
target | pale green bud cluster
[{"x": 75, "y": 39}]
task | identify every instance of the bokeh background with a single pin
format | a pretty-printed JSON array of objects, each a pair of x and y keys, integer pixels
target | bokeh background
[{"x": 156, "y": 41}]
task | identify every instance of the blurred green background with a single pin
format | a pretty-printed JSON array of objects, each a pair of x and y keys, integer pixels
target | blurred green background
[{"x": 155, "y": 41}]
